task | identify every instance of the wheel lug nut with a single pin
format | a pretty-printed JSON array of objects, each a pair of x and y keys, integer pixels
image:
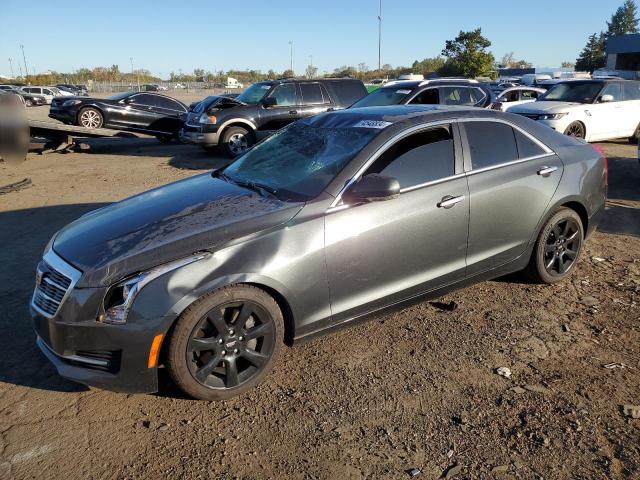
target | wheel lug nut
[
  {"x": 223, "y": 352},
  {"x": 231, "y": 332},
  {"x": 220, "y": 340},
  {"x": 241, "y": 338},
  {"x": 235, "y": 350}
]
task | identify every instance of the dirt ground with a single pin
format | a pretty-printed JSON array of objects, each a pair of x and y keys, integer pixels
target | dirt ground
[{"x": 415, "y": 389}]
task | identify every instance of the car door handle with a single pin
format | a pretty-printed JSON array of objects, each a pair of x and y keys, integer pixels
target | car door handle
[
  {"x": 546, "y": 171},
  {"x": 449, "y": 201},
  {"x": 293, "y": 112}
]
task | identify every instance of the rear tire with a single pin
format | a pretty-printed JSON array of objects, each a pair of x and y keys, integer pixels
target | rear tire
[
  {"x": 90, "y": 117},
  {"x": 236, "y": 141},
  {"x": 557, "y": 248},
  {"x": 225, "y": 343},
  {"x": 166, "y": 139}
]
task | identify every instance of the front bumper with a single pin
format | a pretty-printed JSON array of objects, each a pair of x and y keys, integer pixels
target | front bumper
[
  {"x": 198, "y": 136},
  {"x": 63, "y": 114},
  {"x": 105, "y": 356}
]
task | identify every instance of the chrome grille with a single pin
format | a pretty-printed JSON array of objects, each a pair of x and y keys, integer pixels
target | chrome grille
[{"x": 54, "y": 280}]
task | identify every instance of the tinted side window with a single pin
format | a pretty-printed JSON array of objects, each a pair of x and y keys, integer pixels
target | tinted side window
[
  {"x": 428, "y": 97},
  {"x": 311, "y": 93},
  {"x": 527, "y": 147},
  {"x": 169, "y": 104},
  {"x": 490, "y": 143},
  {"x": 144, "y": 99},
  {"x": 419, "y": 158},
  {"x": 614, "y": 90},
  {"x": 631, "y": 90},
  {"x": 456, "y": 96},
  {"x": 285, "y": 94}
]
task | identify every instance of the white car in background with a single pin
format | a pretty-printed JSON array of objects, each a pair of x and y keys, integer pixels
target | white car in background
[
  {"x": 60, "y": 93},
  {"x": 595, "y": 110},
  {"x": 47, "y": 92},
  {"x": 514, "y": 96}
]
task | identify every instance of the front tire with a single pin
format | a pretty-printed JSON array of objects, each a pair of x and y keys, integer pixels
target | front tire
[
  {"x": 225, "y": 343},
  {"x": 575, "y": 129},
  {"x": 90, "y": 117},
  {"x": 236, "y": 141},
  {"x": 636, "y": 135},
  {"x": 557, "y": 248}
]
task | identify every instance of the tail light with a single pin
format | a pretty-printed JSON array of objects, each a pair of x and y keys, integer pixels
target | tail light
[{"x": 600, "y": 151}]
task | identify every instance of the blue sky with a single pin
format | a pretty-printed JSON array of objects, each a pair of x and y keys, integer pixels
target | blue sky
[{"x": 164, "y": 36}]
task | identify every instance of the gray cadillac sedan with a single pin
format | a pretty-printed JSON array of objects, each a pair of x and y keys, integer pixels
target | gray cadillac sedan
[{"x": 332, "y": 219}]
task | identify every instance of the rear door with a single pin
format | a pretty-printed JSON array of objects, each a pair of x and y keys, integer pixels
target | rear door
[
  {"x": 169, "y": 113},
  {"x": 631, "y": 95},
  {"x": 512, "y": 178},
  {"x": 383, "y": 252},
  {"x": 312, "y": 100}
]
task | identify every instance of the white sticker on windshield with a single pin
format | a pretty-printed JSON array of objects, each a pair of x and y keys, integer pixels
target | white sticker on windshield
[
  {"x": 372, "y": 124},
  {"x": 403, "y": 92},
  {"x": 265, "y": 87}
]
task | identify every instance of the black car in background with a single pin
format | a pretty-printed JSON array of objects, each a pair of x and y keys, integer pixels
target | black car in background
[
  {"x": 439, "y": 91},
  {"x": 144, "y": 112},
  {"x": 29, "y": 99},
  {"x": 237, "y": 123}
]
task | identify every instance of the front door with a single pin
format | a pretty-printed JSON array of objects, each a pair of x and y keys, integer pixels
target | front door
[
  {"x": 380, "y": 253},
  {"x": 285, "y": 109},
  {"x": 138, "y": 113},
  {"x": 606, "y": 117},
  {"x": 512, "y": 179}
]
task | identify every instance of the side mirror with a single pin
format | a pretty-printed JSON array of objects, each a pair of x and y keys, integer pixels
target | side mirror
[
  {"x": 606, "y": 98},
  {"x": 269, "y": 102},
  {"x": 128, "y": 100},
  {"x": 372, "y": 188}
]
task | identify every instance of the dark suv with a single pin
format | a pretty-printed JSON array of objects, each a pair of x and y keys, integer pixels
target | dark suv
[
  {"x": 237, "y": 123},
  {"x": 441, "y": 91}
]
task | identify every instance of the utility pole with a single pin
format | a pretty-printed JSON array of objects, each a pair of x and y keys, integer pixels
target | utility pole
[
  {"x": 11, "y": 67},
  {"x": 26, "y": 70},
  {"x": 291, "y": 58},
  {"x": 380, "y": 37}
]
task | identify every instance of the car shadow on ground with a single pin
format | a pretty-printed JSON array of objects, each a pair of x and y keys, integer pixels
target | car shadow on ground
[
  {"x": 622, "y": 215},
  {"x": 24, "y": 234}
]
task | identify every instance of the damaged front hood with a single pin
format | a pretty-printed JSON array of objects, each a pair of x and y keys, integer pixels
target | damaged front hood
[{"x": 165, "y": 224}]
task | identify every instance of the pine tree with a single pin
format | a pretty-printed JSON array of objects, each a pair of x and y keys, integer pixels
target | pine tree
[
  {"x": 624, "y": 21},
  {"x": 593, "y": 55}
]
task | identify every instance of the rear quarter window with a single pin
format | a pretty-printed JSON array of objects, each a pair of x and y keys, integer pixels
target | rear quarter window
[
  {"x": 347, "y": 92},
  {"x": 631, "y": 90}
]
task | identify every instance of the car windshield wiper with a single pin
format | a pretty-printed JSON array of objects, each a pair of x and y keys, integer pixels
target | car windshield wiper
[{"x": 258, "y": 187}]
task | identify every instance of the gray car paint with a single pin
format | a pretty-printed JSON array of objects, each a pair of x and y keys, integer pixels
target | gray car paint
[{"x": 328, "y": 263}]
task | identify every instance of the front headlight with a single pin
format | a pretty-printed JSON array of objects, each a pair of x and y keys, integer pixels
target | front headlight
[
  {"x": 204, "y": 118},
  {"x": 71, "y": 103},
  {"x": 552, "y": 116},
  {"x": 120, "y": 297}
]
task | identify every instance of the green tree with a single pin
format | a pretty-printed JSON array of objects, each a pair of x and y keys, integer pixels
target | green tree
[
  {"x": 567, "y": 64},
  {"x": 593, "y": 55},
  {"x": 467, "y": 55},
  {"x": 427, "y": 66},
  {"x": 624, "y": 21}
]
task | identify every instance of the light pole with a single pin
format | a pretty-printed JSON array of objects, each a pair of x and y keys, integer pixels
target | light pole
[
  {"x": 380, "y": 36},
  {"x": 26, "y": 70},
  {"x": 132, "y": 72},
  {"x": 291, "y": 57},
  {"x": 11, "y": 67}
]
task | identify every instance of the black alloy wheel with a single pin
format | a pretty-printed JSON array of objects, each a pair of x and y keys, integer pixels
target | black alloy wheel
[
  {"x": 562, "y": 246},
  {"x": 576, "y": 129},
  {"x": 557, "y": 247},
  {"x": 230, "y": 344},
  {"x": 225, "y": 343}
]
